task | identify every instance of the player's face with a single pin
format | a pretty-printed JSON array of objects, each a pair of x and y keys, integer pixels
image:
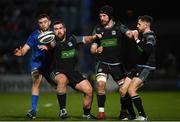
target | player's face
[
  {"x": 141, "y": 25},
  {"x": 104, "y": 18},
  {"x": 44, "y": 23},
  {"x": 59, "y": 31}
]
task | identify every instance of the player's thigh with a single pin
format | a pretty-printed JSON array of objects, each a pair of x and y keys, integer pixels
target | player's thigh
[
  {"x": 135, "y": 83},
  {"x": 126, "y": 82}
]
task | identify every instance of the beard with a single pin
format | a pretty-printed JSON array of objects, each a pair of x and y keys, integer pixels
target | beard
[
  {"x": 59, "y": 37},
  {"x": 104, "y": 23}
]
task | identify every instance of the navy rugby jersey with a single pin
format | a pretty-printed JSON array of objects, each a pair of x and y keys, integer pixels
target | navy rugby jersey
[
  {"x": 65, "y": 53},
  {"x": 111, "y": 42},
  {"x": 146, "y": 49}
]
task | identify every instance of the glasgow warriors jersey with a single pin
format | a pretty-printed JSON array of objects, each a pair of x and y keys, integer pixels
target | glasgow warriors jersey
[
  {"x": 146, "y": 50},
  {"x": 111, "y": 42},
  {"x": 65, "y": 54}
]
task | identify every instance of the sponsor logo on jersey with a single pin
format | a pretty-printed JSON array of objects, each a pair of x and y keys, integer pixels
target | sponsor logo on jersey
[
  {"x": 68, "y": 53},
  {"x": 109, "y": 42}
]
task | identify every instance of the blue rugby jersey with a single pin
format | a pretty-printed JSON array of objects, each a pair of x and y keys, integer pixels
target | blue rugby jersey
[{"x": 40, "y": 59}]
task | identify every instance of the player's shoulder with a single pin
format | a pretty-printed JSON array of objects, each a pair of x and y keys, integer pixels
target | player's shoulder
[
  {"x": 150, "y": 35},
  {"x": 118, "y": 25},
  {"x": 98, "y": 27},
  {"x": 70, "y": 37},
  {"x": 35, "y": 33}
]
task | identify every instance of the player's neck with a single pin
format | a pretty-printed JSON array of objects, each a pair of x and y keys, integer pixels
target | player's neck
[
  {"x": 63, "y": 39},
  {"x": 147, "y": 30},
  {"x": 110, "y": 24}
]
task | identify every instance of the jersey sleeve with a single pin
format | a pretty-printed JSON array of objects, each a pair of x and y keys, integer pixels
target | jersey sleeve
[
  {"x": 148, "y": 46},
  {"x": 78, "y": 39},
  {"x": 123, "y": 28},
  {"x": 95, "y": 31},
  {"x": 30, "y": 41}
]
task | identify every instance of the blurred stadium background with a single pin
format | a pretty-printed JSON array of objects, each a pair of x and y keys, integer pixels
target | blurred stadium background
[{"x": 18, "y": 18}]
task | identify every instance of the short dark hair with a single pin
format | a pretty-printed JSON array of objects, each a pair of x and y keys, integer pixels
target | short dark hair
[
  {"x": 43, "y": 15},
  {"x": 146, "y": 18},
  {"x": 106, "y": 9},
  {"x": 58, "y": 22}
]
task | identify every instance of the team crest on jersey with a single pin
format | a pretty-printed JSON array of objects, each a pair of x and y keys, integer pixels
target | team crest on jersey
[
  {"x": 113, "y": 32},
  {"x": 70, "y": 44},
  {"x": 102, "y": 33}
]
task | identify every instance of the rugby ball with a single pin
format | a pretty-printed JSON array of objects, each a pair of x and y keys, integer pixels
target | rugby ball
[{"x": 46, "y": 37}]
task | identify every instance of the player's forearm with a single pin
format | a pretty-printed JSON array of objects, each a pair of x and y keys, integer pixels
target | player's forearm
[
  {"x": 25, "y": 49},
  {"x": 89, "y": 39},
  {"x": 93, "y": 48}
]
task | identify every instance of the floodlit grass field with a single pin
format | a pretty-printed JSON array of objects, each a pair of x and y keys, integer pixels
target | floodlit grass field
[{"x": 158, "y": 105}]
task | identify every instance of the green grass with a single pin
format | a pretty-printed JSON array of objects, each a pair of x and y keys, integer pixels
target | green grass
[{"x": 158, "y": 106}]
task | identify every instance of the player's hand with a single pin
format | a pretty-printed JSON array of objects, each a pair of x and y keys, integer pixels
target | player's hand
[
  {"x": 135, "y": 34},
  {"x": 99, "y": 49},
  {"x": 42, "y": 47},
  {"x": 18, "y": 51},
  {"x": 99, "y": 36}
]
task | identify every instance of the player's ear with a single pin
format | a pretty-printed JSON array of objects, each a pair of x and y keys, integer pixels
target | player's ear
[{"x": 49, "y": 22}]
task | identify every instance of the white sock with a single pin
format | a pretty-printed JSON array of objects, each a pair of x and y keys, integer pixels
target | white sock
[{"x": 101, "y": 109}]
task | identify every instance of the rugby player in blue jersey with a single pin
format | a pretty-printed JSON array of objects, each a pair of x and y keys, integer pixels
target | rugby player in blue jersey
[{"x": 40, "y": 61}]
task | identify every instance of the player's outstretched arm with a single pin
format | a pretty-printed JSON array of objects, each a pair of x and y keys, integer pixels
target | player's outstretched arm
[
  {"x": 89, "y": 39},
  {"x": 21, "y": 51}
]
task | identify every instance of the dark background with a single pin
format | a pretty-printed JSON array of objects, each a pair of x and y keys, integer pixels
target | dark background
[{"x": 18, "y": 19}]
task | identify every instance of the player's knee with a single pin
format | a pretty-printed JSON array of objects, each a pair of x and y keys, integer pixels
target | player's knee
[
  {"x": 61, "y": 82},
  {"x": 101, "y": 77},
  {"x": 36, "y": 83},
  {"x": 131, "y": 91},
  {"x": 61, "y": 79},
  {"x": 89, "y": 91},
  {"x": 36, "y": 77},
  {"x": 122, "y": 91},
  {"x": 101, "y": 84}
]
